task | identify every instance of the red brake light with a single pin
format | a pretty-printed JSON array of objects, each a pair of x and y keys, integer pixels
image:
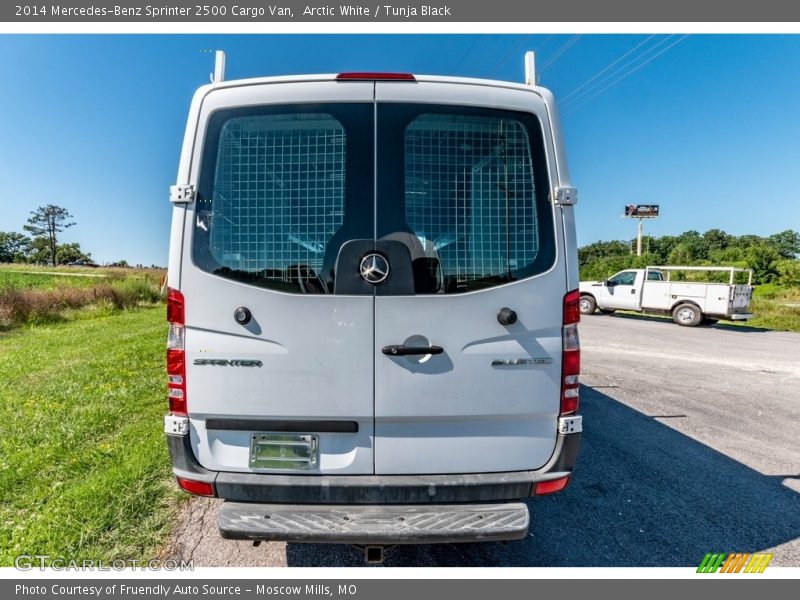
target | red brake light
[
  {"x": 175, "y": 362},
  {"x": 548, "y": 487},
  {"x": 176, "y": 355},
  {"x": 199, "y": 488},
  {"x": 570, "y": 354},
  {"x": 572, "y": 308},
  {"x": 372, "y": 76},
  {"x": 175, "y": 313}
]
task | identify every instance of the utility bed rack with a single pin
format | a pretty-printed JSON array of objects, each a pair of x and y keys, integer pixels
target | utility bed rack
[{"x": 731, "y": 270}]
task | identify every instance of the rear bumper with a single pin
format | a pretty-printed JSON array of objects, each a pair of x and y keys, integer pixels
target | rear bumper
[
  {"x": 374, "y": 489},
  {"x": 740, "y": 316},
  {"x": 374, "y": 509},
  {"x": 377, "y": 524}
]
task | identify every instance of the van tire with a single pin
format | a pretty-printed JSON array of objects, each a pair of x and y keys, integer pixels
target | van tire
[
  {"x": 587, "y": 304},
  {"x": 687, "y": 315}
]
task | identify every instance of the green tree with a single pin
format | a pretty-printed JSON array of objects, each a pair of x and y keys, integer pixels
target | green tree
[
  {"x": 787, "y": 243},
  {"x": 67, "y": 253},
  {"x": 680, "y": 255},
  {"x": 46, "y": 222},
  {"x": 661, "y": 247},
  {"x": 763, "y": 259},
  {"x": 14, "y": 247},
  {"x": 726, "y": 255},
  {"x": 39, "y": 251},
  {"x": 592, "y": 252},
  {"x": 716, "y": 239},
  {"x": 695, "y": 245},
  {"x": 788, "y": 272}
]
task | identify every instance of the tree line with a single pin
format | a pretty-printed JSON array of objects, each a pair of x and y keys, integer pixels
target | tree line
[
  {"x": 772, "y": 258},
  {"x": 41, "y": 245}
]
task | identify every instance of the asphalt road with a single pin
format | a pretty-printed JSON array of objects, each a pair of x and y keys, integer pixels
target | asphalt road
[{"x": 690, "y": 445}]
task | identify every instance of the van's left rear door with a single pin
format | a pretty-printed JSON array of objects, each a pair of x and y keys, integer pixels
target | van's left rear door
[{"x": 284, "y": 176}]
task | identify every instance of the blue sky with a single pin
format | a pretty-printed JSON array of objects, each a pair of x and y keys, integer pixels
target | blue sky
[{"x": 709, "y": 129}]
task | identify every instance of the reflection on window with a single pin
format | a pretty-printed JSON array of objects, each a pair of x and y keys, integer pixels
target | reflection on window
[
  {"x": 470, "y": 197},
  {"x": 278, "y": 197}
]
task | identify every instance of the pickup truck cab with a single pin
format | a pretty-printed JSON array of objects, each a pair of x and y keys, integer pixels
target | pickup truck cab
[
  {"x": 373, "y": 307},
  {"x": 653, "y": 290}
]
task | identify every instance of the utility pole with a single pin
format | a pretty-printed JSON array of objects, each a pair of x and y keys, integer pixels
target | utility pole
[{"x": 639, "y": 239}]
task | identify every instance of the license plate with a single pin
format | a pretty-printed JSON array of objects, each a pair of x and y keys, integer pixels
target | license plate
[{"x": 293, "y": 451}]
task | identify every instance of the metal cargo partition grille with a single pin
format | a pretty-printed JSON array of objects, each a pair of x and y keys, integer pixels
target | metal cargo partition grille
[
  {"x": 278, "y": 193},
  {"x": 469, "y": 193}
]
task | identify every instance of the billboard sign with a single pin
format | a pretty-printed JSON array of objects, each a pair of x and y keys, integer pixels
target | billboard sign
[{"x": 641, "y": 211}]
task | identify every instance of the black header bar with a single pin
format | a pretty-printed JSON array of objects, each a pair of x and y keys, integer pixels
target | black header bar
[{"x": 450, "y": 11}]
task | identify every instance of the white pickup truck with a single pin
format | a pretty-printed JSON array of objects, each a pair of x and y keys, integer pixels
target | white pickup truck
[{"x": 652, "y": 290}]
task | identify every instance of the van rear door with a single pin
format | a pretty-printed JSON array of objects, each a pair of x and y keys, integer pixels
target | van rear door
[
  {"x": 357, "y": 222},
  {"x": 463, "y": 185},
  {"x": 280, "y": 186}
]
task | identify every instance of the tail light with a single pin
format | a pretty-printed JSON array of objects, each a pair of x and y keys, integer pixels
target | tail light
[
  {"x": 570, "y": 353},
  {"x": 176, "y": 355},
  {"x": 540, "y": 488},
  {"x": 198, "y": 488}
]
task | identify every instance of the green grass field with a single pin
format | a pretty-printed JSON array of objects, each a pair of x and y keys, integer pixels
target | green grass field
[
  {"x": 776, "y": 307},
  {"x": 45, "y": 277},
  {"x": 84, "y": 470},
  {"x": 32, "y": 295}
]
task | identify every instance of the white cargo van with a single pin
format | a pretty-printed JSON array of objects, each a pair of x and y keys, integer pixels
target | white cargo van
[{"x": 373, "y": 299}]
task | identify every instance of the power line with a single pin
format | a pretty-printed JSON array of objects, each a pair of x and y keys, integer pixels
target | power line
[
  {"x": 596, "y": 75},
  {"x": 626, "y": 75},
  {"x": 617, "y": 71},
  {"x": 558, "y": 53},
  {"x": 521, "y": 42},
  {"x": 478, "y": 38}
]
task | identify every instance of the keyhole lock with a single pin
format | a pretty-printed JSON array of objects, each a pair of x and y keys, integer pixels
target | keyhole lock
[
  {"x": 506, "y": 316},
  {"x": 242, "y": 315}
]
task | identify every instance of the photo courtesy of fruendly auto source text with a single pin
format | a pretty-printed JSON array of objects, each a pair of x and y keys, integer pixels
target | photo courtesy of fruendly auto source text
[{"x": 293, "y": 294}]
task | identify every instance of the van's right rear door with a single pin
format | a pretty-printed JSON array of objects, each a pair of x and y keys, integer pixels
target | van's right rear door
[
  {"x": 284, "y": 176},
  {"x": 464, "y": 182}
]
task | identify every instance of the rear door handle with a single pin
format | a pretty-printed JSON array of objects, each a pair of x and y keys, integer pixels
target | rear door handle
[{"x": 400, "y": 350}]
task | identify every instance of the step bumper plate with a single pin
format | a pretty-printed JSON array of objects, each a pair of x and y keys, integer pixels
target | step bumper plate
[{"x": 383, "y": 524}]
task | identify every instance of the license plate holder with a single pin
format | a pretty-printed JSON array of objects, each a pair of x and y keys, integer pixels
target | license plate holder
[{"x": 284, "y": 451}]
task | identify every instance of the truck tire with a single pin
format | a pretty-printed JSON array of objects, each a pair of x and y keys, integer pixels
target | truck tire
[
  {"x": 587, "y": 305},
  {"x": 687, "y": 315}
]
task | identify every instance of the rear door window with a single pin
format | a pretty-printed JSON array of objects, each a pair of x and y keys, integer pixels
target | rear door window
[
  {"x": 465, "y": 190},
  {"x": 280, "y": 189},
  {"x": 472, "y": 187}
]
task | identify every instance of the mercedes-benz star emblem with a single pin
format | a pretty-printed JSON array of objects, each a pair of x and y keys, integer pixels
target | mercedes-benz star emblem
[{"x": 374, "y": 268}]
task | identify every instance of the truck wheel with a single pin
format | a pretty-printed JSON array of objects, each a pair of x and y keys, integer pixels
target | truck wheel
[
  {"x": 687, "y": 315},
  {"x": 587, "y": 305}
]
